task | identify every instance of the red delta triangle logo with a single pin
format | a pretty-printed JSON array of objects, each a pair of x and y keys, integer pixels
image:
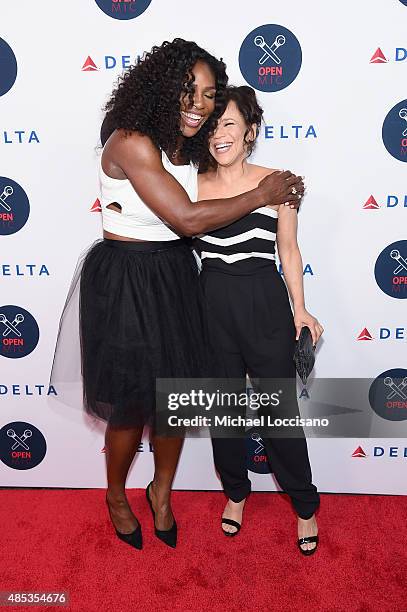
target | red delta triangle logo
[
  {"x": 378, "y": 57},
  {"x": 96, "y": 207},
  {"x": 359, "y": 452},
  {"x": 89, "y": 65},
  {"x": 371, "y": 204},
  {"x": 365, "y": 335}
]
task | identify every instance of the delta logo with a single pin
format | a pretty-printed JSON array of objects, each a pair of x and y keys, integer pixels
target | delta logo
[
  {"x": 26, "y": 136},
  {"x": 386, "y": 202},
  {"x": 109, "y": 62},
  {"x": 381, "y": 451},
  {"x": 96, "y": 206},
  {"x": 359, "y": 453},
  {"x": 383, "y": 333},
  {"x": 297, "y": 131},
  {"x": 398, "y": 55},
  {"x": 364, "y": 335},
  {"x": 89, "y": 65}
]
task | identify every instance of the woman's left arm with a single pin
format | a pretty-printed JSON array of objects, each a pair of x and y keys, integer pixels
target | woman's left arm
[{"x": 291, "y": 262}]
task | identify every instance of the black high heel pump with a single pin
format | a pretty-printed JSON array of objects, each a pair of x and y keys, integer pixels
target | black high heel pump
[
  {"x": 168, "y": 536},
  {"x": 134, "y": 539}
]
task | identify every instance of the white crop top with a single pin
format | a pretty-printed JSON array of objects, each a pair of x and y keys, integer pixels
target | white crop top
[{"x": 136, "y": 220}]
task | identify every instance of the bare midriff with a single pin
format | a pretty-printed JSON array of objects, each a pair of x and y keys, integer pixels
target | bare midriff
[{"x": 110, "y": 236}]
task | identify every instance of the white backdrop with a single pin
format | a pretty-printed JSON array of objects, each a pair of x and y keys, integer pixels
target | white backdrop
[{"x": 337, "y": 91}]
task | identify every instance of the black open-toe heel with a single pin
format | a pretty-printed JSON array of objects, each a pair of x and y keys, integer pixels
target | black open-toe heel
[
  {"x": 168, "y": 536},
  {"x": 232, "y": 523},
  {"x": 134, "y": 539},
  {"x": 308, "y": 540}
]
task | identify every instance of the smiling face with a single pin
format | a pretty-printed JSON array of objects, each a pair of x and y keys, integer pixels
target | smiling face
[
  {"x": 195, "y": 112},
  {"x": 228, "y": 143}
]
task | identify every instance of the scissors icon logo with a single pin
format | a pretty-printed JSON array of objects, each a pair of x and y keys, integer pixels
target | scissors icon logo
[
  {"x": 20, "y": 440},
  {"x": 396, "y": 390},
  {"x": 403, "y": 115},
  {"x": 7, "y": 192},
  {"x": 270, "y": 57},
  {"x": 23, "y": 445},
  {"x": 19, "y": 331},
  {"x": 395, "y": 254},
  {"x": 269, "y": 51},
  {"x": 256, "y": 437},
  {"x": 11, "y": 327}
]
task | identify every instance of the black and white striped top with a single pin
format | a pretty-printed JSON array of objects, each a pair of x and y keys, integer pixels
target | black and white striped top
[{"x": 242, "y": 247}]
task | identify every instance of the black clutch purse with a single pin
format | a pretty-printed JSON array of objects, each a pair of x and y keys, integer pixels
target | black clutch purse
[{"x": 304, "y": 354}]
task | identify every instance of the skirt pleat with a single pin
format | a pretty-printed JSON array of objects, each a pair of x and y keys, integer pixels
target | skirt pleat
[{"x": 139, "y": 313}]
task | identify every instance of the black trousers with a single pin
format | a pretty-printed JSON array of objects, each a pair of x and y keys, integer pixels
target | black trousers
[{"x": 251, "y": 330}]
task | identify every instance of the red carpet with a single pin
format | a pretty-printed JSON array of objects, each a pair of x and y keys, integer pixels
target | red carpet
[{"x": 62, "y": 540}]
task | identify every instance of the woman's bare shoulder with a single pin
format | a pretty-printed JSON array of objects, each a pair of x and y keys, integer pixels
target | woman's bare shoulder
[
  {"x": 129, "y": 147},
  {"x": 261, "y": 171},
  {"x": 124, "y": 142}
]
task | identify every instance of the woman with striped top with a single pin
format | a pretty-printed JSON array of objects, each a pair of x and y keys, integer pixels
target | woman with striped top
[{"x": 252, "y": 328}]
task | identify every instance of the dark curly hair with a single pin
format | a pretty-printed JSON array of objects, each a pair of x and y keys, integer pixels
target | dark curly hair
[
  {"x": 246, "y": 101},
  {"x": 147, "y": 97}
]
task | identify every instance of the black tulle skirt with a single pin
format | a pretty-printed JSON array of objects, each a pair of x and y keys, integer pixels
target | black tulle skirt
[{"x": 134, "y": 313}]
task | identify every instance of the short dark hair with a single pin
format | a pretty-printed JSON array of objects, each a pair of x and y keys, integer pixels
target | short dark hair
[{"x": 246, "y": 101}]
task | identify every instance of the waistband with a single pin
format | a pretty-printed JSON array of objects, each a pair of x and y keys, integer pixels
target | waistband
[
  {"x": 241, "y": 268},
  {"x": 149, "y": 247}
]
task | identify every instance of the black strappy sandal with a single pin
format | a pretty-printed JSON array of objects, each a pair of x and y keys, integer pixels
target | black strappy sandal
[
  {"x": 232, "y": 523},
  {"x": 308, "y": 540}
]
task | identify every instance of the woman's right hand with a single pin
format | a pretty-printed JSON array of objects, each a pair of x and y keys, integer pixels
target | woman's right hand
[{"x": 282, "y": 187}]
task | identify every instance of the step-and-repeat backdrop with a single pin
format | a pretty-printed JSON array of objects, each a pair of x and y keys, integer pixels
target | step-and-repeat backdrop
[{"x": 332, "y": 80}]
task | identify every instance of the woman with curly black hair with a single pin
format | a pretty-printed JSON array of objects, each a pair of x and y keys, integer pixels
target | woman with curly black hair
[{"x": 140, "y": 310}]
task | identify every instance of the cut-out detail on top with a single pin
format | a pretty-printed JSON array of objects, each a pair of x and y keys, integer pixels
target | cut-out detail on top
[{"x": 115, "y": 206}]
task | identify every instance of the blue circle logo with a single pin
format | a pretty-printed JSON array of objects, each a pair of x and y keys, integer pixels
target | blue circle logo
[
  {"x": 8, "y": 63},
  {"x": 257, "y": 460},
  {"x": 14, "y": 206},
  {"x": 404, "y": 2},
  {"x": 123, "y": 9},
  {"x": 270, "y": 58},
  {"x": 388, "y": 395},
  {"x": 394, "y": 131},
  {"x": 19, "y": 332},
  {"x": 391, "y": 270},
  {"x": 22, "y": 446}
]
